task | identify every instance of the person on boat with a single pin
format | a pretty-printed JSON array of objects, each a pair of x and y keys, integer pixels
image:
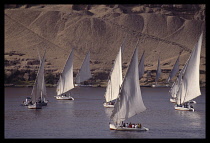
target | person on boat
[
  {"x": 133, "y": 126},
  {"x": 136, "y": 125},
  {"x": 126, "y": 125},
  {"x": 130, "y": 126},
  {"x": 123, "y": 124}
]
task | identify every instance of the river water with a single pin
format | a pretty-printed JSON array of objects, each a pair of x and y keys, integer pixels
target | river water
[{"x": 85, "y": 117}]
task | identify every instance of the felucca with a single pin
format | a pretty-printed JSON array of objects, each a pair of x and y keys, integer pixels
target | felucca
[
  {"x": 39, "y": 88},
  {"x": 129, "y": 101},
  {"x": 65, "y": 83},
  {"x": 115, "y": 79},
  {"x": 158, "y": 73},
  {"x": 114, "y": 82},
  {"x": 189, "y": 85},
  {"x": 84, "y": 73}
]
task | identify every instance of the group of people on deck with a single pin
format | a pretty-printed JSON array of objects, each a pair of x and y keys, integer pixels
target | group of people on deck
[
  {"x": 111, "y": 103},
  {"x": 131, "y": 125}
]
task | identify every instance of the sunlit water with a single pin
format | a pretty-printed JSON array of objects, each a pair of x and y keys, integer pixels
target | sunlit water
[{"x": 85, "y": 117}]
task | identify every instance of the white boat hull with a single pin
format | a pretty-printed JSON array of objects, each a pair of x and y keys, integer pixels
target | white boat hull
[
  {"x": 26, "y": 103},
  {"x": 35, "y": 106},
  {"x": 192, "y": 102},
  {"x": 64, "y": 98},
  {"x": 82, "y": 85},
  {"x": 159, "y": 85},
  {"x": 182, "y": 108},
  {"x": 172, "y": 100},
  {"x": 112, "y": 127},
  {"x": 44, "y": 103},
  {"x": 107, "y": 105}
]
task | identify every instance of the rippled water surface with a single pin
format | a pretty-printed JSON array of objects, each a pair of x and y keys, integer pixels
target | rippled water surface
[{"x": 85, "y": 117}]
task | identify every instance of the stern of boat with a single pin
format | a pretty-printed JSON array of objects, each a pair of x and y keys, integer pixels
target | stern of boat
[
  {"x": 184, "y": 108},
  {"x": 172, "y": 100},
  {"x": 112, "y": 127},
  {"x": 107, "y": 105}
]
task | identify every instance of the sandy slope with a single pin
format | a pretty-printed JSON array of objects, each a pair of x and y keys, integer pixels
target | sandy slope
[{"x": 101, "y": 30}]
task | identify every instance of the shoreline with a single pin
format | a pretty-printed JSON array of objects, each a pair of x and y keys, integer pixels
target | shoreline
[{"x": 93, "y": 85}]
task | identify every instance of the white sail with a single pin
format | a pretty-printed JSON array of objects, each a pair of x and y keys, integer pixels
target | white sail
[
  {"x": 129, "y": 102},
  {"x": 44, "y": 91},
  {"x": 174, "y": 70},
  {"x": 174, "y": 89},
  {"x": 158, "y": 71},
  {"x": 65, "y": 82},
  {"x": 38, "y": 86},
  {"x": 189, "y": 87},
  {"x": 141, "y": 66},
  {"x": 84, "y": 73},
  {"x": 115, "y": 81}
]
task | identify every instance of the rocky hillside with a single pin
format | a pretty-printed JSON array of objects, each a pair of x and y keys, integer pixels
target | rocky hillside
[{"x": 163, "y": 31}]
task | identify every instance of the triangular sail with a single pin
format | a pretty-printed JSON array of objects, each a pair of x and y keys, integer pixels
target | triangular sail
[
  {"x": 174, "y": 89},
  {"x": 174, "y": 70},
  {"x": 115, "y": 81},
  {"x": 189, "y": 87},
  {"x": 38, "y": 86},
  {"x": 129, "y": 102},
  {"x": 65, "y": 82},
  {"x": 141, "y": 66},
  {"x": 84, "y": 73},
  {"x": 44, "y": 91},
  {"x": 158, "y": 71}
]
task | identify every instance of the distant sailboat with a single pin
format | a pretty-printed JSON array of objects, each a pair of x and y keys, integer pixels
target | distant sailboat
[
  {"x": 189, "y": 85},
  {"x": 84, "y": 72},
  {"x": 175, "y": 86},
  {"x": 38, "y": 90},
  {"x": 115, "y": 79},
  {"x": 114, "y": 82},
  {"x": 65, "y": 83},
  {"x": 129, "y": 102},
  {"x": 158, "y": 73}
]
